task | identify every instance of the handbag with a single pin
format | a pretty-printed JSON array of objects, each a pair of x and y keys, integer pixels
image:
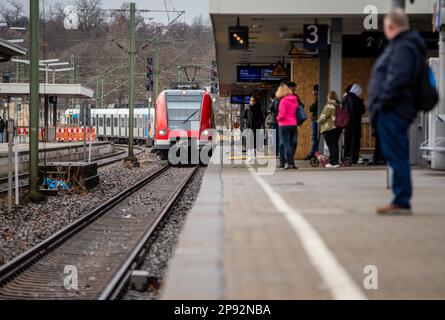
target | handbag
[
  {"x": 301, "y": 114},
  {"x": 342, "y": 117}
]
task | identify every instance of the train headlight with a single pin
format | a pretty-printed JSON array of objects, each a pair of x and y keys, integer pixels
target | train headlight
[
  {"x": 206, "y": 133},
  {"x": 162, "y": 132}
]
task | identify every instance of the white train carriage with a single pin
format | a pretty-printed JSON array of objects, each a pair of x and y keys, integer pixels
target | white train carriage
[{"x": 112, "y": 124}]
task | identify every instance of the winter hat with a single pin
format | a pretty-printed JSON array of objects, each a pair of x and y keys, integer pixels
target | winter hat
[{"x": 357, "y": 90}]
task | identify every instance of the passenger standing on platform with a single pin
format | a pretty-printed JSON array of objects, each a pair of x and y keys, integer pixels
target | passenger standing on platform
[
  {"x": 287, "y": 122},
  {"x": 293, "y": 87},
  {"x": 313, "y": 109},
  {"x": 254, "y": 118},
  {"x": 2, "y": 129},
  {"x": 273, "y": 124},
  {"x": 353, "y": 133},
  {"x": 392, "y": 103},
  {"x": 330, "y": 132}
]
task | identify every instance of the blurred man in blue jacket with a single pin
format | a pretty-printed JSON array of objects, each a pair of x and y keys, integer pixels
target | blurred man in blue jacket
[{"x": 392, "y": 103}]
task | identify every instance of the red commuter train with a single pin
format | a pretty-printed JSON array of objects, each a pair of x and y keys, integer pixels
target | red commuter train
[{"x": 183, "y": 115}]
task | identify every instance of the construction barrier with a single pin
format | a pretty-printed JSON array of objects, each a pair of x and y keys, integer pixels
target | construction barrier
[
  {"x": 23, "y": 134},
  {"x": 74, "y": 134},
  {"x": 62, "y": 135}
]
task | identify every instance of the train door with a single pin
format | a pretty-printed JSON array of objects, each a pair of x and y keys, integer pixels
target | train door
[
  {"x": 146, "y": 125},
  {"x": 101, "y": 122},
  {"x": 152, "y": 128},
  {"x": 108, "y": 125},
  {"x": 126, "y": 126},
  {"x": 140, "y": 127},
  {"x": 120, "y": 126},
  {"x": 116, "y": 126}
]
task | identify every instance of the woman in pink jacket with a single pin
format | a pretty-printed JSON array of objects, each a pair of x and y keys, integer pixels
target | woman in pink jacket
[{"x": 287, "y": 122}]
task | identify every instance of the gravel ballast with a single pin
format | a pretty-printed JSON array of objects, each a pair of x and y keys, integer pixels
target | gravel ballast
[
  {"x": 33, "y": 223},
  {"x": 164, "y": 241}
]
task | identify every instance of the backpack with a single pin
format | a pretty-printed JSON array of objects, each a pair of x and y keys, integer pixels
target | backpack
[
  {"x": 301, "y": 114},
  {"x": 342, "y": 117},
  {"x": 426, "y": 95}
]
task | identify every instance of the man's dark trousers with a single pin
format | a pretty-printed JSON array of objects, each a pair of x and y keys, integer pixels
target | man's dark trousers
[
  {"x": 314, "y": 149},
  {"x": 393, "y": 134}
]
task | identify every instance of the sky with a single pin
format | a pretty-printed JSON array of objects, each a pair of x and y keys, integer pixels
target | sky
[{"x": 192, "y": 7}]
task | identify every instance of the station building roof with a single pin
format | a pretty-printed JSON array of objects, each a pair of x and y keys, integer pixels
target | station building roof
[
  {"x": 60, "y": 90},
  {"x": 265, "y": 17},
  {"x": 8, "y": 50}
]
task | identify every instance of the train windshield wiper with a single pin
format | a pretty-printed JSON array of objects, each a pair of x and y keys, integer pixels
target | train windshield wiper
[{"x": 188, "y": 119}]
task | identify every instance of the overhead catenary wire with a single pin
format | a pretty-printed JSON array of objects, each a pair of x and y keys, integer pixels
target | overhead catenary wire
[{"x": 160, "y": 32}]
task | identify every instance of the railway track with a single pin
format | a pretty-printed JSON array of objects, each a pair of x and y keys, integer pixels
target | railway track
[
  {"x": 103, "y": 247},
  {"x": 101, "y": 162}
]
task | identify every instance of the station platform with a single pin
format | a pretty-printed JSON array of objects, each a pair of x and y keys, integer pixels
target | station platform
[
  {"x": 309, "y": 234},
  {"x": 53, "y": 152}
]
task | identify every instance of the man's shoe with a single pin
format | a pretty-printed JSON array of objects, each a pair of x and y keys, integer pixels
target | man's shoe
[
  {"x": 331, "y": 166},
  {"x": 392, "y": 210},
  {"x": 308, "y": 157}
]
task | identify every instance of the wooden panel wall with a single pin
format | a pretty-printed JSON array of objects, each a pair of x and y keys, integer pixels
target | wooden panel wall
[{"x": 305, "y": 74}]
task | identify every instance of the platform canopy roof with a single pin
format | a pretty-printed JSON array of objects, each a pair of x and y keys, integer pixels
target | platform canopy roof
[
  {"x": 60, "y": 90},
  {"x": 266, "y": 17},
  {"x": 8, "y": 50}
]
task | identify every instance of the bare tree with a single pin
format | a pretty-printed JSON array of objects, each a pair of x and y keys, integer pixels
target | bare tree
[
  {"x": 14, "y": 14},
  {"x": 90, "y": 13}
]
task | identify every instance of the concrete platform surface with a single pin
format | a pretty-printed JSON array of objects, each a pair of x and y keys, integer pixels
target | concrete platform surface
[{"x": 309, "y": 234}]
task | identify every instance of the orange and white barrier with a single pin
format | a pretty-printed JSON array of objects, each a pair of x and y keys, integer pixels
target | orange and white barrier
[
  {"x": 23, "y": 134},
  {"x": 62, "y": 134},
  {"x": 74, "y": 134}
]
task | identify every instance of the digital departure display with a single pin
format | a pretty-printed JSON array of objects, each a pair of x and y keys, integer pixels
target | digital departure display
[
  {"x": 239, "y": 99},
  {"x": 256, "y": 74},
  {"x": 249, "y": 74}
]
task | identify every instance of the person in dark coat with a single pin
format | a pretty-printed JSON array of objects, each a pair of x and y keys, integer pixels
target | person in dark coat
[
  {"x": 353, "y": 133},
  {"x": 254, "y": 118},
  {"x": 313, "y": 109},
  {"x": 273, "y": 124},
  {"x": 2, "y": 130},
  {"x": 392, "y": 103}
]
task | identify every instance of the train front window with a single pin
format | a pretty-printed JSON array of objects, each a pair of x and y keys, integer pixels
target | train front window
[{"x": 184, "y": 111}]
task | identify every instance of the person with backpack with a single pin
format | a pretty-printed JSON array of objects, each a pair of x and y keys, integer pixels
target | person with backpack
[
  {"x": 293, "y": 87},
  {"x": 353, "y": 103},
  {"x": 287, "y": 122},
  {"x": 313, "y": 109},
  {"x": 2, "y": 130},
  {"x": 329, "y": 129},
  {"x": 397, "y": 81},
  {"x": 254, "y": 118},
  {"x": 273, "y": 124}
]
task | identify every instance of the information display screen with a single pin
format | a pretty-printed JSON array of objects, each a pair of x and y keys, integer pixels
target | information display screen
[
  {"x": 256, "y": 74},
  {"x": 239, "y": 99},
  {"x": 249, "y": 74}
]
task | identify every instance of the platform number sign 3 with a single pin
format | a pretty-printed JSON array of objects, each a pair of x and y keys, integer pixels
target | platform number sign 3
[{"x": 316, "y": 36}]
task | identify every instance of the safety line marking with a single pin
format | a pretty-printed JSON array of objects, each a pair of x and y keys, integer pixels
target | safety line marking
[{"x": 333, "y": 274}]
